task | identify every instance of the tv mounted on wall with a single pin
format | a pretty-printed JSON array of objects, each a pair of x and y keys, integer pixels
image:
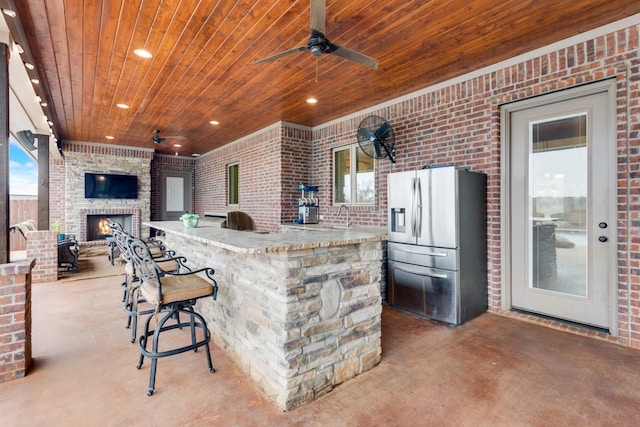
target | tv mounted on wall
[{"x": 110, "y": 186}]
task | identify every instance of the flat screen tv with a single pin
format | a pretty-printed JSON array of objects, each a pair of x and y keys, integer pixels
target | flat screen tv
[{"x": 110, "y": 186}]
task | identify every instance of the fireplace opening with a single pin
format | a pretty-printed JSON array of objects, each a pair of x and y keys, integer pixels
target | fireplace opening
[{"x": 97, "y": 228}]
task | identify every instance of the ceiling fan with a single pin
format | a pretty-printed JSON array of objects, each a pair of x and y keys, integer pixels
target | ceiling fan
[
  {"x": 318, "y": 44},
  {"x": 157, "y": 139}
]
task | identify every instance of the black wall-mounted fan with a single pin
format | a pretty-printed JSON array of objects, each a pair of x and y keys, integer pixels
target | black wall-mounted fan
[
  {"x": 157, "y": 139},
  {"x": 376, "y": 138},
  {"x": 318, "y": 44}
]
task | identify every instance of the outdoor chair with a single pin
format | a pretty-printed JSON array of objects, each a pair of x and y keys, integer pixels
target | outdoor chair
[
  {"x": 132, "y": 298},
  {"x": 68, "y": 253},
  {"x": 172, "y": 294},
  {"x": 238, "y": 220},
  {"x": 157, "y": 249},
  {"x": 23, "y": 227}
]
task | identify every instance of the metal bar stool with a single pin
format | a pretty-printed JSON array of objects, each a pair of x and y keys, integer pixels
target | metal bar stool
[
  {"x": 172, "y": 294},
  {"x": 132, "y": 298}
]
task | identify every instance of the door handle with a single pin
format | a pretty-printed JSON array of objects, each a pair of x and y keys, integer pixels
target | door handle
[{"x": 603, "y": 238}]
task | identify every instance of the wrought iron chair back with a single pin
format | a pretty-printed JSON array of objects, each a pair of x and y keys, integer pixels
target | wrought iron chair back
[{"x": 174, "y": 295}]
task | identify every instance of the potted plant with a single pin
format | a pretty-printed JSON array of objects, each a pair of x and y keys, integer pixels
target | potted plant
[
  {"x": 190, "y": 220},
  {"x": 57, "y": 226}
]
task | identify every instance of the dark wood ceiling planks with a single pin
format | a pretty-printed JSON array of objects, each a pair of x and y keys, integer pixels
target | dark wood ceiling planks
[{"x": 204, "y": 52}]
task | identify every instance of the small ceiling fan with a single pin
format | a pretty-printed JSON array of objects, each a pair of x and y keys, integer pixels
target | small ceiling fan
[
  {"x": 157, "y": 139},
  {"x": 318, "y": 44},
  {"x": 376, "y": 138}
]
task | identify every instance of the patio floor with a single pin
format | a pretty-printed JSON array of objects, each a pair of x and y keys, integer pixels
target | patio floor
[{"x": 491, "y": 371}]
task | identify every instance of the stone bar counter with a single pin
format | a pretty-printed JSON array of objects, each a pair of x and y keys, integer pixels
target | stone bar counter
[{"x": 300, "y": 311}]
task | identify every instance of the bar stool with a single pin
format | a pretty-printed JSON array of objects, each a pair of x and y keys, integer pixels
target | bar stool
[
  {"x": 158, "y": 250},
  {"x": 172, "y": 294},
  {"x": 131, "y": 284}
]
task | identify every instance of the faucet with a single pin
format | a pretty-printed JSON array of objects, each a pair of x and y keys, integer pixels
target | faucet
[{"x": 346, "y": 208}]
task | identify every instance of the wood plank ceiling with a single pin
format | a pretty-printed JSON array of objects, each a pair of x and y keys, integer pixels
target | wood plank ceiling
[{"x": 204, "y": 52}]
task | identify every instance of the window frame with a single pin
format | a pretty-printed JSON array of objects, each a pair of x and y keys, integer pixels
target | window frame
[
  {"x": 353, "y": 164},
  {"x": 231, "y": 181}
]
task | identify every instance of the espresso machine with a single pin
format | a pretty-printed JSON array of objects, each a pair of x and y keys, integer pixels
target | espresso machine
[{"x": 307, "y": 204}]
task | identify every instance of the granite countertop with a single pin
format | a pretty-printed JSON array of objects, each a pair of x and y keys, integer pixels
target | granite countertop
[{"x": 307, "y": 236}]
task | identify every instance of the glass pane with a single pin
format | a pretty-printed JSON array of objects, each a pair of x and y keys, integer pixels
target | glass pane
[
  {"x": 175, "y": 196},
  {"x": 342, "y": 176},
  {"x": 365, "y": 187},
  {"x": 233, "y": 184},
  {"x": 558, "y": 205}
]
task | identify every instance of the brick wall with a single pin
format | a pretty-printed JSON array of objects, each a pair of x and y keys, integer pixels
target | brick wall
[
  {"x": 57, "y": 188},
  {"x": 295, "y": 169},
  {"x": 460, "y": 124},
  {"x": 15, "y": 320},
  {"x": 271, "y": 165},
  {"x": 42, "y": 245}
]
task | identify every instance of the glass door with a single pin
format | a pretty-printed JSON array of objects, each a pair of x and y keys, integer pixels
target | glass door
[{"x": 560, "y": 209}]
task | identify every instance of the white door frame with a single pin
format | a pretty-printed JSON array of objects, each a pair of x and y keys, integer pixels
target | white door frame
[{"x": 608, "y": 86}]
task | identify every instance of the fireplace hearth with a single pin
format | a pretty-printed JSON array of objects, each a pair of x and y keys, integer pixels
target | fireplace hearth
[{"x": 97, "y": 228}]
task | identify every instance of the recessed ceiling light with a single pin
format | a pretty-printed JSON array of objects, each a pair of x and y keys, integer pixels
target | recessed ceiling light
[
  {"x": 19, "y": 48},
  {"x": 312, "y": 100},
  {"x": 49, "y": 122},
  {"x": 195, "y": 155},
  {"x": 125, "y": 106},
  {"x": 9, "y": 12},
  {"x": 143, "y": 53},
  {"x": 29, "y": 65},
  {"x": 177, "y": 145},
  {"x": 109, "y": 137},
  {"x": 35, "y": 81},
  {"x": 44, "y": 104},
  {"x": 214, "y": 122}
]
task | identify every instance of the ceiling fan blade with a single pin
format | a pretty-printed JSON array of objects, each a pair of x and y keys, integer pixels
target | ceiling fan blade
[
  {"x": 173, "y": 137},
  {"x": 317, "y": 13},
  {"x": 281, "y": 54},
  {"x": 352, "y": 55}
]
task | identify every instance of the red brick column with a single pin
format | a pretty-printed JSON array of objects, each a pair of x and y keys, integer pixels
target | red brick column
[
  {"x": 43, "y": 246},
  {"x": 15, "y": 319}
]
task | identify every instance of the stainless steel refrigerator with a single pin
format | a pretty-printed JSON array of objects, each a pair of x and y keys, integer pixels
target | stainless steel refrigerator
[{"x": 437, "y": 249}]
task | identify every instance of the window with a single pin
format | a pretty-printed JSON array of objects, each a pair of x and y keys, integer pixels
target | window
[
  {"x": 353, "y": 188},
  {"x": 233, "y": 183}
]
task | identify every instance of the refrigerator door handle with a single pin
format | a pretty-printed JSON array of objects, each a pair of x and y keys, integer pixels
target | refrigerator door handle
[
  {"x": 418, "y": 196},
  {"x": 420, "y": 272},
  {"x": 413, "y": 207},
  {"x": 418, "y": 252}
]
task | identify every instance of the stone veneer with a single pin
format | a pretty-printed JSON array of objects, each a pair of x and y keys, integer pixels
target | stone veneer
[
  {"x": 81, "y": 157},
  {"x": 299, "y": 322}
]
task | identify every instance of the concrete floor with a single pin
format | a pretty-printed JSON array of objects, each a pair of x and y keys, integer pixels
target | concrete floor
[{"x": 491, "y": 371}]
